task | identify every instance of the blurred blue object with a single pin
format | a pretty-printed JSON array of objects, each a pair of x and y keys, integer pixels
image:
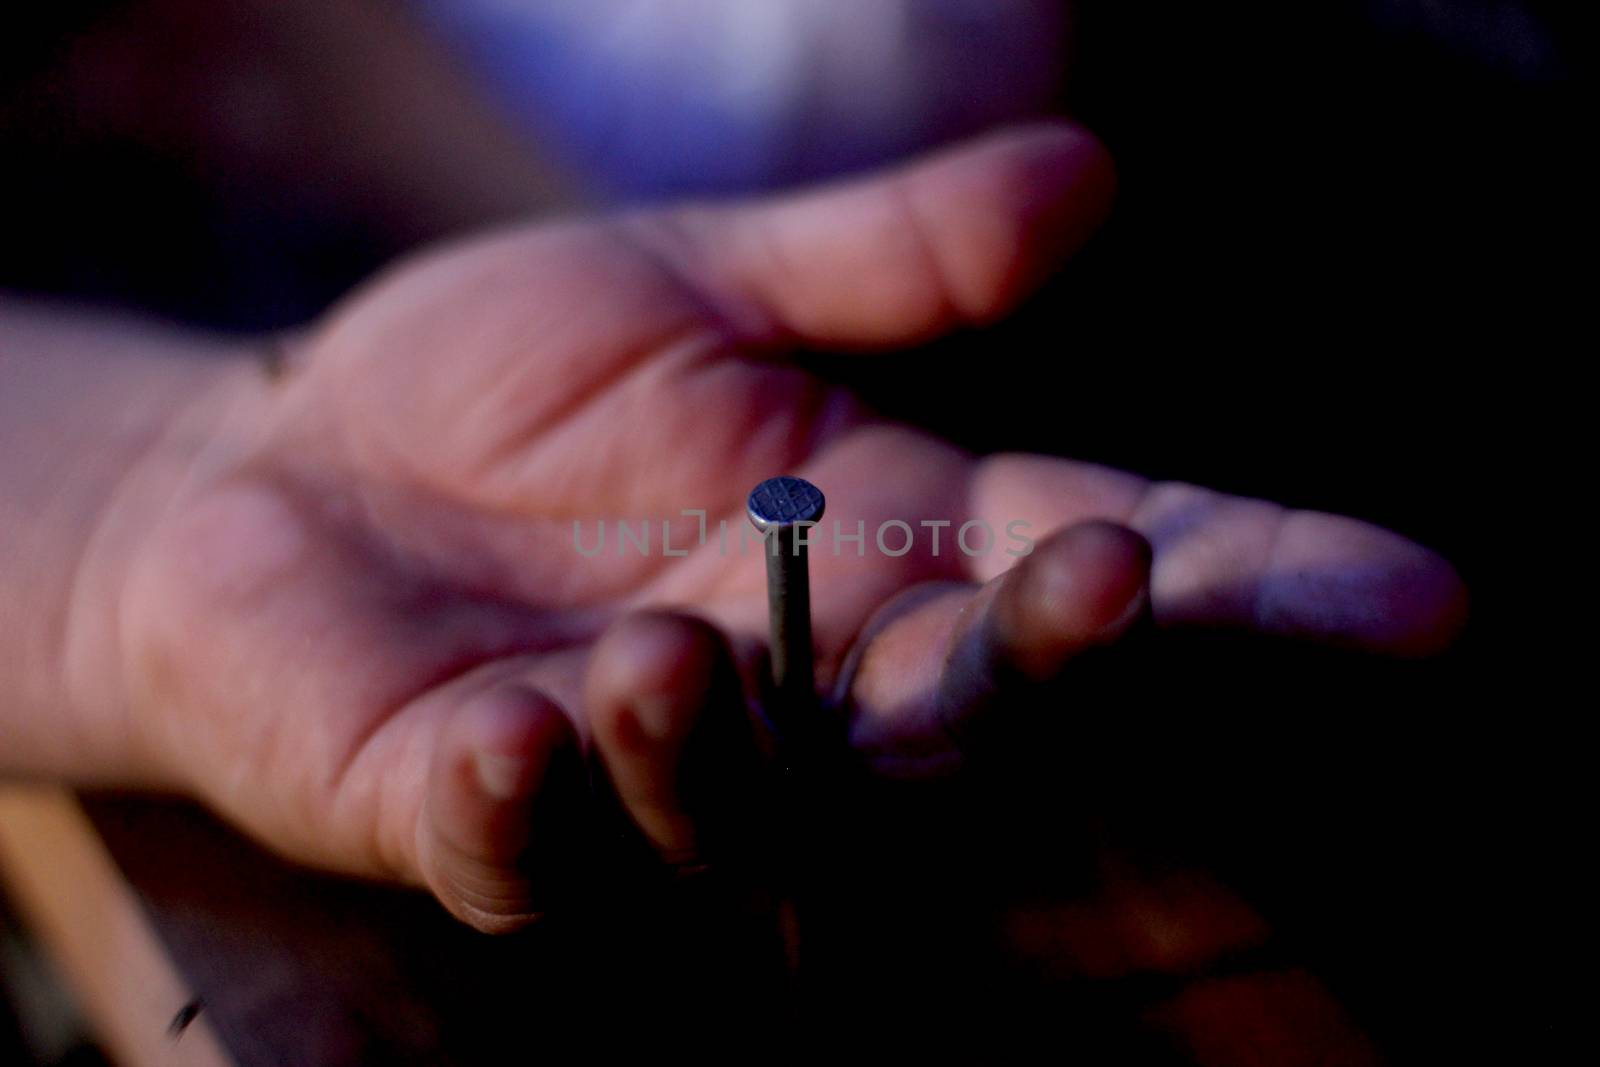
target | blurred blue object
[{"x": 650, "y": 98}]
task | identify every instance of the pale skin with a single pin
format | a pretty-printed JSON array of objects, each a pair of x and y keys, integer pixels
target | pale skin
[{"x": 340, "y": 603}]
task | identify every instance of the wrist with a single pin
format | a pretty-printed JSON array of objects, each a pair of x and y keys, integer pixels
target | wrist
[
  {"x": 106, "y": 422},
  {"x": 213, "y": 413}
]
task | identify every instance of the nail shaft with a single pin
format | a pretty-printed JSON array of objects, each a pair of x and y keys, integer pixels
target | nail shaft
[{"x": 789, "y": 613}]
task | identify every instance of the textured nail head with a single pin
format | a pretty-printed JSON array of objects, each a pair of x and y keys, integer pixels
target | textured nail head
[{"x": 785, "y": 501}]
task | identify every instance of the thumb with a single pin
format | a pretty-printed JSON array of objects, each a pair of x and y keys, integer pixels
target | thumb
[{"x": 898, "y": 257}]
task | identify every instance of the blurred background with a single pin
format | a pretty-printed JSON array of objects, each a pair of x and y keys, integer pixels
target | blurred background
[{"x": 1339, "y": 274}]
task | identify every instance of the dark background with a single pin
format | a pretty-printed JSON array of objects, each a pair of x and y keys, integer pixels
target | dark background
[{"x": 1342, "y": 273}]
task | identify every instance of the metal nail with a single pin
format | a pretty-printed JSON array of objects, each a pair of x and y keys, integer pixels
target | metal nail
[{"x": 784, "y": 509}]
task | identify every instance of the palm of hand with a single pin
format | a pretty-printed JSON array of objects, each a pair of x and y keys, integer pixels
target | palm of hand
[
  {"x": 399, "y": 533},
  {"x": 365, "y": 633}
]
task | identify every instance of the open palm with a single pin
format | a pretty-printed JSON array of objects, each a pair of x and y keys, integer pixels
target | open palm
[{"x": 365, "y": 632}]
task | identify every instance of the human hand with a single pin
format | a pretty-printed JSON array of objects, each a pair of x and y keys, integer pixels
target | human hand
[{"x": 360, "y": 627}]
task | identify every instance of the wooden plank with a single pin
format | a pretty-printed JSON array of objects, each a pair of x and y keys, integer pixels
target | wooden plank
[{"x": 66, "y": 886}]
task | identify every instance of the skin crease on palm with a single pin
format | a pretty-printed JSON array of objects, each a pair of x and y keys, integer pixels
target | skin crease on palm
[{"x": 360, "y": 629}]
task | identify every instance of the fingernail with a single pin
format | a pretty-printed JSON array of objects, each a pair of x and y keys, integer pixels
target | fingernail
[
  {"x": 1136, "y": 614},
  {"x": 655, "y": 721},
  {"x": 502, "y": 777}
]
